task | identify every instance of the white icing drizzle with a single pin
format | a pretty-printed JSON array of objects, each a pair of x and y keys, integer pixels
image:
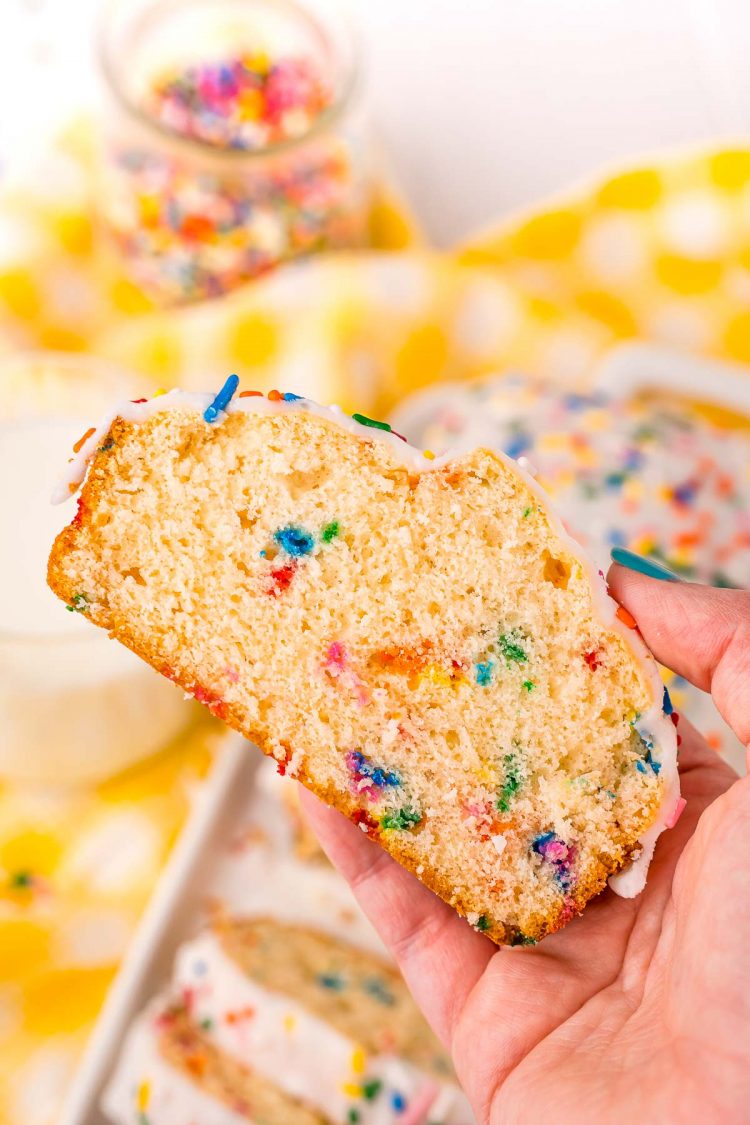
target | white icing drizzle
[
  {"x": 145, "y": 1087},
  {"x": 248, "y": 1021},
  {"x": 654, "y": 723}
]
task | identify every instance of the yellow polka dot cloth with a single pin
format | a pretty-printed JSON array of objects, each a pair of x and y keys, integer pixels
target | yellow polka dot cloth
[
  {"x": 660, "y": 252},
  {"x": 76, "y": 871}
]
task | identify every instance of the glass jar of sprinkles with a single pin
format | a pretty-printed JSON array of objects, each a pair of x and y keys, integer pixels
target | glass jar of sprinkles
[{"x": 234, "y": 140}]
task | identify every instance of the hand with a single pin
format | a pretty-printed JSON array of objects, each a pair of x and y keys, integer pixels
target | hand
[{"x": 638, "y": 1011}]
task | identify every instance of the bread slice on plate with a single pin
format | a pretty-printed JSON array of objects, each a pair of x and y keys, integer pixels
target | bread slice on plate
[{"x": 418, "y": 640}]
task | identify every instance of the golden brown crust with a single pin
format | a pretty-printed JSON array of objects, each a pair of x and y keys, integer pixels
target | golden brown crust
[
  {"x": 499, "y": 932},
  {"x": 223, "y": 1077}
]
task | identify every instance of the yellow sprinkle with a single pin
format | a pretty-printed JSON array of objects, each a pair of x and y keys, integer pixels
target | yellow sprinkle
[
  {"x": 290, "y": 1022},
  {"x": 552, "y": 443},
  {"x": 428, "y": 454},
  {"x": 161, "y": 391},
  {"x": 644, "y": 546},
  {"x": 143, "y": 1097},
  {"x": 633, "y": 489},
  {"x": 358, "y": 1060},
  {"x": 485, "y": 775},
  {"x": 595, "y": 419},
  {"x": 434, "y": 674},
  {"x": 352, "y": 1090}
]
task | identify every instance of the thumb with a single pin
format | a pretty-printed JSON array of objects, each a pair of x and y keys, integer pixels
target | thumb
[{"x": 701, "y": 633}]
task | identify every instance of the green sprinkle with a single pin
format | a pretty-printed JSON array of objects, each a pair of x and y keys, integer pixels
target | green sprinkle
[
  {"x": 207, "y": 1023},
  {"x": 526, "y": 513},
  {"x": 107, "y": 446},
  {"x": 371, "y": 422},
  {"x": 529, "y": 685},
  {"x": 79, "y": 604},
  {"x": 20, "y": 880},
  {"x": 402, "y": 820},
  {"x": 483, "y": 923},
  {"x": 511, "y": 649},
  {"x": 353, "y": 1116},
  {"x": 330, "y": 531},
  {"x": 512, "y": 783},
  {"x": 370, "y": 1090}
]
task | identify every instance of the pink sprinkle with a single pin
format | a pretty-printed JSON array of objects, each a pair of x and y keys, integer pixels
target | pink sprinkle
[
  {"x": 419, "y": 1106},
  {"x": 336, "y": 665},
  {"x": 556, "y": 850},
  {"x": 231, "y": 674},
  {"x": 471, "y": 808},
  {"x": 676, "y": 813},
  {"x": 336, "y": 657}
]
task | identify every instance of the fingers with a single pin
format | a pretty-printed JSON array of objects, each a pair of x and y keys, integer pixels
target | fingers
[
  {"x": 701, "y": 633},
  {"x": 439, "y": 954}
]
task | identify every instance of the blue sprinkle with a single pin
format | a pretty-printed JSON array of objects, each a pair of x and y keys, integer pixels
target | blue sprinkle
[
  {"x": 222, "y": 400},
  {"x": 374, "y": 986},
  {"x": 517, "y": 445},
  {"x": 382, "y": 777},
  {"x": 294, "y": 540},
  {"x": 655, "y": 766},
  {"x": 615, "y": 480},
  {"x": 330, "y": 981},
  {"x": 684, "y": 493},
  {"x": 289, "y": 397},
  {"x": 398, "y": 1101},
  {"x": 616, "y": 538},
  {"x": 484, "y": 673},
  {"x": 640, "y": 766},
  {"x": 579, "y": 402},
  {"x": 545, "y": 838},
  {"x": 667, "y": 706}
]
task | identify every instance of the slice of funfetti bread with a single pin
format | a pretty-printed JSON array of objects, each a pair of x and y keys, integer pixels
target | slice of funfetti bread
[{"x": 417, "y": 640}]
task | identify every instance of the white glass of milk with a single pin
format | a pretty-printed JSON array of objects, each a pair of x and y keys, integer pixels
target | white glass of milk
[{"x": 75, "y": 707}]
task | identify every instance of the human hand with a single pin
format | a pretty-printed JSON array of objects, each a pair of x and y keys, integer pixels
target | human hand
[{"x": 639, "y": 1010}]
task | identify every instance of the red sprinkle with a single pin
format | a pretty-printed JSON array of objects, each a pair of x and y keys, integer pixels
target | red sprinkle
[
  {"x": 283, "y": 764},
  {"x": 675, "y": 717},
  {"x": 215, "y": 703},
  {"x": 250, "y": 394},
  {"x": 137, "y": 401},
  {"x": 77, "y": 520},
  {"x": 281, "y": 579},
  {"x": 592, "y": 659},
  {"x": 275, "y": 396},
  {"x": 626, "y": 618},
  {"x": 362, "y": 819}
]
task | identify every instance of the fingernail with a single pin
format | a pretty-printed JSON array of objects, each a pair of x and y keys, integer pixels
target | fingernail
[{"x": 640, "y": 565}]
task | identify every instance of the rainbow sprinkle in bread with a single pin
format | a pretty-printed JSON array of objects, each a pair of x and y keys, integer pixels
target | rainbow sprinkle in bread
[{"x": 416, "y": 639}]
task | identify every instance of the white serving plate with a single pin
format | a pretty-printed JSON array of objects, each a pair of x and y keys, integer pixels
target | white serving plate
[
  {"x": 636, "y": 367},
  {"x": 173, "y": 914}
]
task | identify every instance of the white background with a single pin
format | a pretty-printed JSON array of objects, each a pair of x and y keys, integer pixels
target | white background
[{"x": 486, "y": 105}]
